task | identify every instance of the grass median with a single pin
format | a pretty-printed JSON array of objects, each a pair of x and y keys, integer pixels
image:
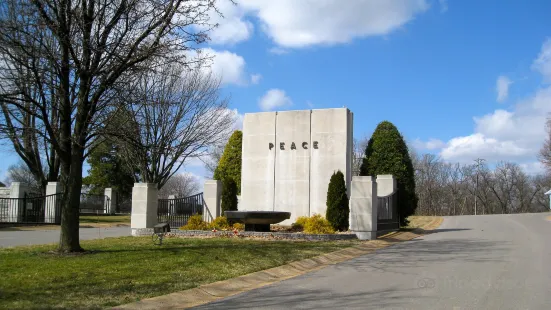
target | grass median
[{"x": 121, "y": 270}]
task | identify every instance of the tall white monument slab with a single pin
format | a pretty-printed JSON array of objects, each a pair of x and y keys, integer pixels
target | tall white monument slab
[{"x": 288, "y": 158}]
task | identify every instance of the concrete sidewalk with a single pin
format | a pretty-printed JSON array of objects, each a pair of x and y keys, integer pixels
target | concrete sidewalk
[
  {"x": 17, "y": 237},
  {"x": 214, "y": 291}
]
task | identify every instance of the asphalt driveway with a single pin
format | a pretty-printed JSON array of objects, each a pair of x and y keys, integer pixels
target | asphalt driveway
[
  {"x": 9, "y": 238},
  {"x": 470, "y": 262}
]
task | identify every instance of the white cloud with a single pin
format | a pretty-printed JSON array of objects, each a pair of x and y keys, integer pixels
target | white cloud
[
  {"x": 309, "y": 104},
  {"x": 273, "y": 99},
  {"x": 542, "y": 64},
  {"x": 513, "y": 135},
  {"x": 255, "y": 78},
  {"x": 465, "y": 149},
  {"x": 532, "y": 168},
  {"x": 292, "y": 23},
  {"x": 510, "y": 135},
  {"x": 432, "y": 144},
  {"x": 502, "y": 88},
  {"x": 229, "y": 66},
  {"x": 278, "y": 51},
  {"x": 232, "y": 26},
  {"x": 443, "y": 5}
]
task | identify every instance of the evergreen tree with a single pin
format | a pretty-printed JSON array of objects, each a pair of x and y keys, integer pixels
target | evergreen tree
[
  {"x": 337, "y": 202},
  {"x": 230, "y": 162},
  {"x": 107, "y": 169},
  {"x": 229, "y": 195},
  {"x": 387, "y": 153}
]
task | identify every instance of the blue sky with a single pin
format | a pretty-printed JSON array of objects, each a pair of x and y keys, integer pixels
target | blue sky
[{"x": 460, "y": 79}]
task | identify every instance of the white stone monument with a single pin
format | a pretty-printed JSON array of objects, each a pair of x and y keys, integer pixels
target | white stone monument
[{"x": 288, "y": 159}]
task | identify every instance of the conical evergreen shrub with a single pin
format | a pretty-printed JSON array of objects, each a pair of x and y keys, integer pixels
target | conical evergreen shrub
[
  {"x": 387, "y": 153},
  {"x": 337, "y": 202},
  {"x": 229, "y": 195}
]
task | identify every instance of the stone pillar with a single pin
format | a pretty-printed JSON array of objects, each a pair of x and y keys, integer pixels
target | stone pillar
[
  {"x": 363, "y": 207},
  {"x": 52, "y": 206},
  {"x": 212, "y": 194},
  {"x": 386, "y": 185},
  {"x": 110, "y": 201},
  {"x": 17, "y": 191},
  {"x": 144, "y": 207}
]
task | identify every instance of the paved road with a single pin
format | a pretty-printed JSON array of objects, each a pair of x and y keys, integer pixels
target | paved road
[
  {"x": 45, "y": 236},
  {"x": 483, "y": 262}
]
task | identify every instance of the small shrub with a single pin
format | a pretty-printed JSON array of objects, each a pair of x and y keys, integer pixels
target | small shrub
[
  {"x": 317, "y": 224},
  {"x": 229, "y": 195},
  {"x": 220, "y": 222},
  {"x": 239, "y": 226},
  {"x": 300, "y": 222},
  {"x": 195, "y": 222}
]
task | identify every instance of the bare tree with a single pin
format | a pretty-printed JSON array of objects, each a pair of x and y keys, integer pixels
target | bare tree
[
  {"x": 359, "y": 146},
  {"x": 545, "y": 152},
  {"x": 180, "y": 185},
  {"x": 21, "y": 173},
  {"x": 213, "y": 157},
  {"x": 86, "y": 49},
  {"x": 450, "y": 189},
  {"x": 177, "y": 115}
]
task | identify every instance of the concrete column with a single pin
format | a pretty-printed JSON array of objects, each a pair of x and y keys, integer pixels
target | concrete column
[
  {"x": 212, "y": 194},
  {"x": 52, "y": 207},
  {"x": 110, "y": 201},
  {"x": 363, "y": 207},
  {"x": 17, "y": 191},
  {"x": 386, "y": 185},
  {"x": 144, "y": 206}
]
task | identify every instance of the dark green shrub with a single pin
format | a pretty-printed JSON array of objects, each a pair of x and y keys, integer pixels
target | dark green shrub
[
  {"x": 229, "y": 165},
  {"x": 229, "y": 195},
  {"x": 387, "y": 153},
  {"x": 337, "y": 202}
]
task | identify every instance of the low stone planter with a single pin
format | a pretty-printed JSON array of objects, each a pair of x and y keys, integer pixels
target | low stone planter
[{"x": 250, "y": 234}]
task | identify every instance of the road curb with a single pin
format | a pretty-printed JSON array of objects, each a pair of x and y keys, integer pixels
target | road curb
[{"x": 213, "y": 291}]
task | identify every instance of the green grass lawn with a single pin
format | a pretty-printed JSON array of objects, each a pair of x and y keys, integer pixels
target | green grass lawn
[
  {"x": 123, "y": 270},
  {"x": 107, "y": 219}
]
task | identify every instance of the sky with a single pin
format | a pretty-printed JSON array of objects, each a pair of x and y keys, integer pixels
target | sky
[{"x": 460, "y": 79}]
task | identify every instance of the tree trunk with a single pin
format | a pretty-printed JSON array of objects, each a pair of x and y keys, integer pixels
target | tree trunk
[{"x": 72, "y": 177}]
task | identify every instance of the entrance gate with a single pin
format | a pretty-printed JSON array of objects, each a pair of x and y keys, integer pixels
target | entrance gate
[
  {"x": 387, "y": 213},
  {"x": 176, "y": 212}
]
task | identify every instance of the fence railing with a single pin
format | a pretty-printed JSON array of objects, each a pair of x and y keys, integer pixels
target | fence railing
[
  {"x": 31, "y": 210},
  {"x": 387, "y": 212},
  {"x": 94, "y": 203},
  {"x": 177, "y": 211}
]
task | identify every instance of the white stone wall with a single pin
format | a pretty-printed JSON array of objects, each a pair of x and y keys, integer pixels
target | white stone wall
[
  {"x": 294, "y": 178},
  {"x": 258, "y": 162},
  {"x": 292, "y": 169}
]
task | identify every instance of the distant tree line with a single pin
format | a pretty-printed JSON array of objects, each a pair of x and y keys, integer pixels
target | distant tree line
[{"x": 451, "y": 188}]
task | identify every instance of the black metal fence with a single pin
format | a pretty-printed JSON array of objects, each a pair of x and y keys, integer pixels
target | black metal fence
[
  {"x": 387, "y": 212},
  {"x": 177, "y": 211},
  {"x": 94, "y": 204},
  {"x": 124, "y": 205},
  {"x": 31, "y": 210}
]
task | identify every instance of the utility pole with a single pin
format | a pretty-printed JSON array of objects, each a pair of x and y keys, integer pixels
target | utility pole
[{"x": 478, "y": 161}]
